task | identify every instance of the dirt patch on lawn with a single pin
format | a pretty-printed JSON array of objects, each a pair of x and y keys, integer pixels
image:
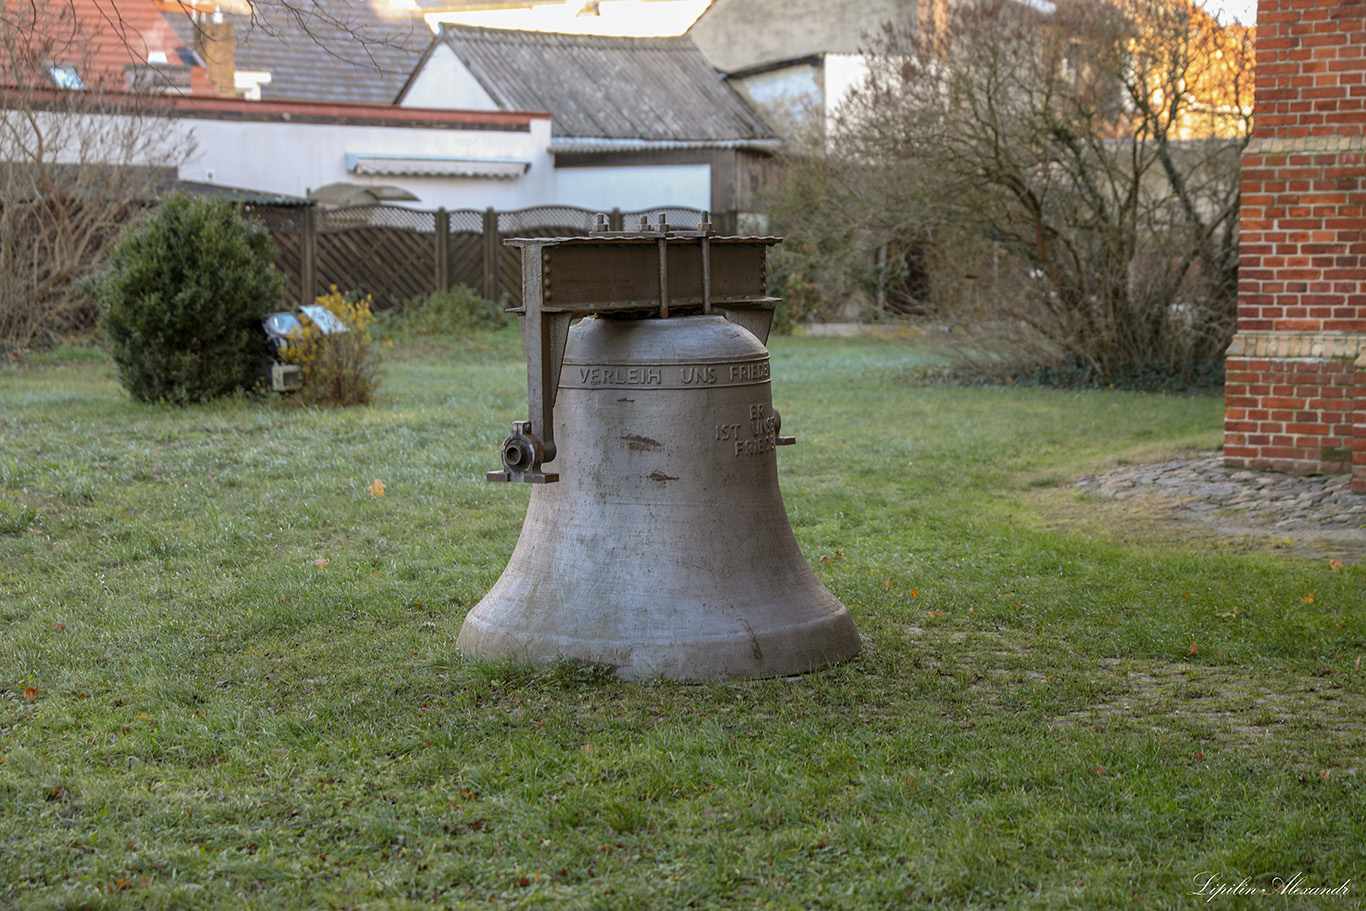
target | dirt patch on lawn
[
  {"x": 1321, "y": 714},
  {"x": 1193, "y": 498}
]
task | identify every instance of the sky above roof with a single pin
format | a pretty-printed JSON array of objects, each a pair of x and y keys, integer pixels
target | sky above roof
[
  {"x": 1226, "y": 11},
  {"x": 673, "y": 17},
  {"x": 613, "y": 17}
]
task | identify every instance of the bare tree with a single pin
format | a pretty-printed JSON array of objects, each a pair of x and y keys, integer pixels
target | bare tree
[
  {"x": 1068, "y": 179},
  {"x": 80, "y": 152}
]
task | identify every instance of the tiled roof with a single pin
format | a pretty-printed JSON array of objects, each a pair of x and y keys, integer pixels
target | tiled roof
[
  {"x": 344, "y": 51},
  {"x": 653, "y": 89},
  {"x": 99, "y": 39}
]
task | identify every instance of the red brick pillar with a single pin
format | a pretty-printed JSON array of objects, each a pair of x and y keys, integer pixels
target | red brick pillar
[
  {"x": 1295, "y": 391},
  {"x": 1359, "y": 453}
]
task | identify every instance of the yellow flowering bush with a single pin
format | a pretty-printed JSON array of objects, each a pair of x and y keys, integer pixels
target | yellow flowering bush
[{"x": 340, "y": 366}]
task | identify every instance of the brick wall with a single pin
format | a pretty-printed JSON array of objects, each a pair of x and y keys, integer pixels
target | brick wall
[{"x": 1296, "y": 381}]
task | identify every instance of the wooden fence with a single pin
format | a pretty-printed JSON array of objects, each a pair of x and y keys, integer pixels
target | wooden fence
[{"x": 396, "y": 254}]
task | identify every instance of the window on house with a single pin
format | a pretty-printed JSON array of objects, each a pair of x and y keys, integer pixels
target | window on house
[{"x": 64, "y": 76}]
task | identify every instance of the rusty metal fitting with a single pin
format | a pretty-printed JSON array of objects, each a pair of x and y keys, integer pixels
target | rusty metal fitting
[{"x": 523, "y": 452}]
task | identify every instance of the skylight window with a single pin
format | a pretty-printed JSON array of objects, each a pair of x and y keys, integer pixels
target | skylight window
[{"x": 64, "y": 76}]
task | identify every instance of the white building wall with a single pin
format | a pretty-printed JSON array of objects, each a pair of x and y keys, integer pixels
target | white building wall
[
  {"x": 791, "y": 87},
  {"x": 445, "y": 82},
  {"x": 634, "y": 187},
  {"x": 294, "y": 158},
  {"x": 791, "y": 95},
  {"x": 843, "y": 74}
]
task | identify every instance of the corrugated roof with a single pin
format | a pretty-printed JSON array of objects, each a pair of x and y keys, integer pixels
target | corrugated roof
[
  {"x": 348, "y": 51},
  {"x": 599, "y": 87}
]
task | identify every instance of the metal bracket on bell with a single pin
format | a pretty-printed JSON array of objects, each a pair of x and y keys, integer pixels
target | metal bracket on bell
[
  {"x": 523, "y": 452},
  {"x": 778, "y": 438},
  {"x": 653, "y": 272}
]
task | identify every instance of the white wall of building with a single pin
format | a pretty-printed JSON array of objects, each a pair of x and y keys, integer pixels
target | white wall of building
[
  {"x": 791, "y": 94},
  {"x": 843, "y": 74},
  {"x": 634, "y": 187},
  {"x": 294, "y": 158},
  {"x": 445, "y": 82},
  {"x": 791, "y": 86}
]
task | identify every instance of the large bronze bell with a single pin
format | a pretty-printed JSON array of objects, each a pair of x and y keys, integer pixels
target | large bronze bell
[{"x": 660, "y": 546}]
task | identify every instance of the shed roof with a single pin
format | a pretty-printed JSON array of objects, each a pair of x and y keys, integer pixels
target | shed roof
[{"x": 597, "y": 87}]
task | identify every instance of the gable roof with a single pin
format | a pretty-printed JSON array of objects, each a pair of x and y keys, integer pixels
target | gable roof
[
  {"x": 339, "y": 51},
  {"x": 661, "y": 90},
  {"x": 97, "y": 42}
]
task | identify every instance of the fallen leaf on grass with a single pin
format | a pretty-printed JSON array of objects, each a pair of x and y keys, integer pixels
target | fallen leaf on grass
[
  {"x": 1193, "y": 649},
  {"x": 321, "y": 563},
  {"x": 376, "y": 488},
  {"x": 1308, "y": 599},
  {"x": 1335, "y": 565},
  {"x": 30, "y": 693}
]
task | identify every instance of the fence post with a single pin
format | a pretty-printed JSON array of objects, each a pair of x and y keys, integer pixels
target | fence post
[
  {"x": 308, "y": 255},
  {"x": 615, "y": 220},
  {"x": 492, "y": 247},
  {"x": 443, "y": 250}
]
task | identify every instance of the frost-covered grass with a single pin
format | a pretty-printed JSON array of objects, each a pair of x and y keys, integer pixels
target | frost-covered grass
[{"x": 228, "y": 678}]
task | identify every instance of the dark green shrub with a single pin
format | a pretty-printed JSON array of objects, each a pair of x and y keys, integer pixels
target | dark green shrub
[{"x": 182, "y": 299}]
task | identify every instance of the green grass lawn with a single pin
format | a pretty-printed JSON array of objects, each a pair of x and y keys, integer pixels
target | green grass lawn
[{"x": 228, "y": 676}]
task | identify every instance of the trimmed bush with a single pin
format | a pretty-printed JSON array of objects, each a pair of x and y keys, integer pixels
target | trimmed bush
[{"x": 182, "y": 299}]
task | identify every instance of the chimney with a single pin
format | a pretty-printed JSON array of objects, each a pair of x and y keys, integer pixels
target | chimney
[{"x": 217, "y": 48}]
